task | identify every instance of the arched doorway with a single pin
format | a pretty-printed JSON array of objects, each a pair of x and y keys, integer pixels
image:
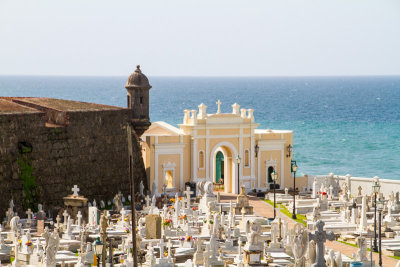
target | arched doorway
[
  {"x": 219, "y": 167},
  {"x": 228, "y": 166}
]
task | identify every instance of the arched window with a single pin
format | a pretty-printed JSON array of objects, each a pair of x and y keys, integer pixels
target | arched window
[
  {"x": 246, "y": 158},
  {"x": 201, "y": 160}
]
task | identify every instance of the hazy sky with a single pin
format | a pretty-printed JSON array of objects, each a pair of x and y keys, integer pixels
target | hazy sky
[{"x": 202, "y": 38}]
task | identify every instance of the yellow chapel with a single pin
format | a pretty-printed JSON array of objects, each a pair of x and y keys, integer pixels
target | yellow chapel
[{"x": 225, "y": 148}]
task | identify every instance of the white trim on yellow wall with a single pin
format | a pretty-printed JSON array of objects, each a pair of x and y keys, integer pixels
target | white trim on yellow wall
[
  {"x": 222, "y": 136},
  {"x": 234, "y": 154}
]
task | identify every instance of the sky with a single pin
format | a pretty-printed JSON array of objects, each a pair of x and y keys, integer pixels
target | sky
[{"x": 200, "y": 37}]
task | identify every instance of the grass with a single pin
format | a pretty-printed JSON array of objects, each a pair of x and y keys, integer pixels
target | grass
[{"x": 300, "y": 218}]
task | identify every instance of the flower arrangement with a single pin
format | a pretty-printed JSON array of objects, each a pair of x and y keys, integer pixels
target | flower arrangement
[
  {"x": 167, "y": 222},
  {"x": 127, "y": 230},
  {"x": 323, "y": 193},
  {"x": 165, "y": 254},
  {"x": 126, "y": 219},
  {"x": 189, "y": 238},
  {"x": 172, "y": 200},
  {"x": 194, "y": 208},
  {"x": 184, "y": 217},
  {"x": 180, "y": 198},
  {"x": 182, "y": 239},
  {"x": 29, "y": 243},
  {"x": 211, "y": 222}
]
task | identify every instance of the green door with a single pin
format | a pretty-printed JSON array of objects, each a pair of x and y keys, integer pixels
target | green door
[{"x": 219, "y": 166}]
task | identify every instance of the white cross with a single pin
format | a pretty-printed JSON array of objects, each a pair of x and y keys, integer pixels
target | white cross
[
  {"x": 219, "y": 107},
  {"x": 188, "y": 193},
  {"x": 29, "y": 213},
  {"x": 75, "y": 189},
  {"x": 161, "y": 245},
  {"x": 147, "y": 201},
  {"x": 65, "y": 214},
  {"x": 79, "y": 216}
]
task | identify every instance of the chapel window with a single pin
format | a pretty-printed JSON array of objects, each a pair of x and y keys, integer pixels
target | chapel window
[
  {"x": 201, "y": 160},
  {"x": 246, "y": 158}
]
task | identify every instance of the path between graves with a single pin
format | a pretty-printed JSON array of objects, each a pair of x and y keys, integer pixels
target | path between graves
[{"x": 263, "y": 209}]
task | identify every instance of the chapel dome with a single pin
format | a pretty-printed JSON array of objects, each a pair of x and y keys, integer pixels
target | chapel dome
[{"x": 137, "y": 79}]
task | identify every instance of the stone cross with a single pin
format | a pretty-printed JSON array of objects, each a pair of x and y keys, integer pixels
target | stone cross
[
  {"x": 161, "y": 245},
  {"x": 188, "y": 193},
  {"x": 320, "y": 236},
  {"x": 65, "y": 214},
  {"x": 147, "y": 198},
  {"x": 79, "y": 216},
  {"x": 29, "y": 213},
  {"x": 219, "y": 106},
  {"x": 75, "y": 191}
]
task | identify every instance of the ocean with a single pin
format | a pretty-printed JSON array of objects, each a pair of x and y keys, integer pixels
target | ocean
[{"x": 341, "y": 124}]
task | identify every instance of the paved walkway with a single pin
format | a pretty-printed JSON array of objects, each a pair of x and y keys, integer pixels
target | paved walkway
[{"x": 261, "y": 208}]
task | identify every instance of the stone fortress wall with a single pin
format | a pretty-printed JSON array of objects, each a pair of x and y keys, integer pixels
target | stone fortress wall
[{"x": 86, "y": 147}]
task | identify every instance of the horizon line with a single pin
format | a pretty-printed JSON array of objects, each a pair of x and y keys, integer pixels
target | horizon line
[{"x": 208, "y": 76}]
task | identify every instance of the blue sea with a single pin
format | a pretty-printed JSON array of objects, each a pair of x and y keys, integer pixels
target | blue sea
[{"x": 341, "y": 124}]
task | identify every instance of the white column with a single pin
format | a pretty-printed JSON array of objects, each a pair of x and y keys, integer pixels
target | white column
[
  {"x": 208, "y": 157},
  {"x": 283, "y": 167},
  {"x": 194, "y": 159},
  {"x": 258, "y": 167},
  {"x": 156, "y": 163},
  {"x": 241, "y": 153},
  {"x": 181, "y": 169},
  {"x": 252, "y": 156}
]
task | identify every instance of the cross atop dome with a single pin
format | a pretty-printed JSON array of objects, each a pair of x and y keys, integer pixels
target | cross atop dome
[{"x": 219, "y": 106}]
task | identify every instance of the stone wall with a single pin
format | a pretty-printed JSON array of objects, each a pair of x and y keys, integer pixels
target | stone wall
[{"x": 92, "y": 152}]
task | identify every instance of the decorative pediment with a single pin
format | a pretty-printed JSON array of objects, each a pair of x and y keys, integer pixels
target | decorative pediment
[
  {"x": 271, "y": 162},
  {"x": 169, "y": 165}
]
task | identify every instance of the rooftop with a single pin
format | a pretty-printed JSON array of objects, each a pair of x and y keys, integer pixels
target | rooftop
[
  {"x": 37, "y": 104},
  {"x": 9, "y": 107}
]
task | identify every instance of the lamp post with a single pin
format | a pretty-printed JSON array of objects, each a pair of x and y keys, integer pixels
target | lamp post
[
  {"x": 238, "y": 159},
  {"x": 98, "y": 249},
  {"x": 294, "y": 170},
  {"x": 274, "y": 176},
  {"x": 380, "y": 209},
  {"x": 375, "y": 189}
]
